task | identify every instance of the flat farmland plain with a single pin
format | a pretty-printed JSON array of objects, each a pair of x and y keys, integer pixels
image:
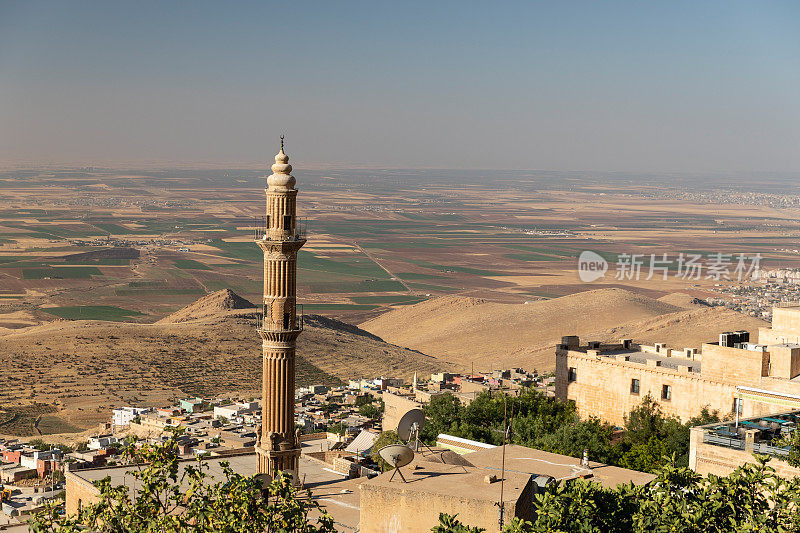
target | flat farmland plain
[{"x": 139, "y": 245}]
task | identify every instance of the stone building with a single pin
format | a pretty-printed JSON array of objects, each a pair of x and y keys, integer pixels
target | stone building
[{"x": 734, "y": 376}]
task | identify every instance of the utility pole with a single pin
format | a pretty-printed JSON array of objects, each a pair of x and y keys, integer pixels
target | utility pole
[{"x": 502, "y": 504}]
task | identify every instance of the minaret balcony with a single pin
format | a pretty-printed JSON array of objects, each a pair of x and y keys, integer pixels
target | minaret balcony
[
  {"x": 285, "y": 326},
  {"x": 262, "y": 232}
]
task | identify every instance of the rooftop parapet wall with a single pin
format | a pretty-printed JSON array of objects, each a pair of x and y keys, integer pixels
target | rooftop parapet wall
[
  {"x": 733, "y": 364},
  {"x": 784, "y": 361},
  {"x": 785, "y": 321}
]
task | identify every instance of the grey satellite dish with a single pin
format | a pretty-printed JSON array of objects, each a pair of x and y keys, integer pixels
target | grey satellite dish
[
  {"x": 406, "y": 426},
  {"x": 397, "y": 455}
]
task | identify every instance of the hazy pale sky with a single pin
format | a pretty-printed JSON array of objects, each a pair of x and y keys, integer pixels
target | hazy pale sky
[{"x": 560, "y": 85}]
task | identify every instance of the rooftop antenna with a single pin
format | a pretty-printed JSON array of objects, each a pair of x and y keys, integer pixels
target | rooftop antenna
[
  {"x": 409, "y": 426},
  {"x": 501, "y": 505},
  {"x": 397, "y": 455}
]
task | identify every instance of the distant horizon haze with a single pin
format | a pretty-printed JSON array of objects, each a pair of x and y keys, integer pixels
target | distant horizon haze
[{"x": 672, "y": 87}]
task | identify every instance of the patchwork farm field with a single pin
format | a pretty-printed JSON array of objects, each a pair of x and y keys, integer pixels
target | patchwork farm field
[{"x": 137, "y": 245}]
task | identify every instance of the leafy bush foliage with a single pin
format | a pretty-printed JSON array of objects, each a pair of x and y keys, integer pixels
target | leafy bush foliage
[
  {"x": 545, "y": 423},
  {"x": 752, "y": 499},
  {"x": 174, "y": 497}
]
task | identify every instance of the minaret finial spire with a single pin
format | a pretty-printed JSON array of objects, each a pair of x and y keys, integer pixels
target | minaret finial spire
[{"x": 281, "y": 143}]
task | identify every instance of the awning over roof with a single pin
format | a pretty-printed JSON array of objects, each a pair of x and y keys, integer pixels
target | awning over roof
[{"x": 363, "y": 442}]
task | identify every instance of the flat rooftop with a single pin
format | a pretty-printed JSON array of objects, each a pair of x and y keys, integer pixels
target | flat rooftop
[
  {"x": 245, "y": 465},
  {"x": 530, "y": 461},
  {"x": 339, "y": 496},
  {"x": 463, "y": 482},
  {"x": 641, "y": 357}
]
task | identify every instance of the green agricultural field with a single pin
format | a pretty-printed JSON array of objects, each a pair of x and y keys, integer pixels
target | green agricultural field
[
  {"x": 418, "y": 275},
  {"x": 113, "y": 229},
  {"x": 160, "y": 292},
  {"x": 21, "y": 420},
  {"x": 536, "y": 257},
  {"x": 190, "y": 264},
  {"x": 411, "y": 245},
  {"x": 92, "y": 312},
  {"x": 154, "y": 283},
  {"x": 388, "y": 299},
  {"x": 77, "y": 272},
  {"x": 548, "y": 250},
  {"x": 435, "y": 288},
  {"x": 371, "y": 285},
  {"x": 106, "y": 261},
  {"x": 51, "y": 423},
  {"x": 337, "y": 307},
  {"x": 356, "y": 265},
  {"x": 239, "y": 285},
  {"x": 455, "y": 268},
  {"x": 246, "y": 251}
]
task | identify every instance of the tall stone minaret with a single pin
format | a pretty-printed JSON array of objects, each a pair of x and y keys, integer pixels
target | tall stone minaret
[{"x": 278, "y": 447}]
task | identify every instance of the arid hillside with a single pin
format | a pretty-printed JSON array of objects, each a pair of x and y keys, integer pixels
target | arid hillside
[
  {"x": 466, "y": 330},
  {"x": 69, "y": 374}
]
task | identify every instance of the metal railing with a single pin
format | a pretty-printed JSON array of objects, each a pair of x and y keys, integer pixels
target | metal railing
[
  {"x": 720, "y": 440},
  {"x": 272, "y": 327},
  {"x": 763, "y": 448},
  {"x": 261, "y": 232}
]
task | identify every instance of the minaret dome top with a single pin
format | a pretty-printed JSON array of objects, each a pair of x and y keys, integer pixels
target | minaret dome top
[{"x": 281, "y": 177}]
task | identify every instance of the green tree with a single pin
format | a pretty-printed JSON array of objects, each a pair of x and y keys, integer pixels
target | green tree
[
  {"x": 443, "y": 415},
  {"x": 364, "y": 400},
  {"x": 176, "y": 498},
  {"x": 651, "y": 437},
  {"x": 571, "y": 439},
  {"x": 450, "y": 524},
  {"x": 339, "y": 428},
  {"x": 369, "y": 410},
  {"x": 792, "y": 442},
  {"x": 384, "y": 439}
]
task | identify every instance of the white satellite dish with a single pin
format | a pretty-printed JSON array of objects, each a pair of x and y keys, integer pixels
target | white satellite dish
[
  {"x": 405, "y": 428},
  {"x": 397, "y": 455}
]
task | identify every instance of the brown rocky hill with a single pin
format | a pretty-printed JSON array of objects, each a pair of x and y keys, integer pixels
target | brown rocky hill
[
  {"x": 212, "y": 305},
  {"x": 82, "y": 369},
  {"x": 681, "y": 299},
  {"x": 463, "y": 331}
]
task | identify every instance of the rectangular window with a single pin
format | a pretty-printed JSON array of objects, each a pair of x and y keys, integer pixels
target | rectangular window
[
  {"x": 666, "y": 392},
  {"x": 572, "y": 374},
  {"x": 634, "y": 386},
  {"x": 266, "y": 222},
  {"x": 287, "y": 222}
]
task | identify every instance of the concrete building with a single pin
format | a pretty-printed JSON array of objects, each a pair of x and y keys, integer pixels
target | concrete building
[
  {"x": 278, "y": 447},
  {"x": 13, "y": 473},
  {"x": 227, "y": 411},
  {"x": 733, "y": 376},
  {"x": 125, "y": 415},
  {"x": 192, "y": 405},
  {"x": 101, "y": 442}
]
